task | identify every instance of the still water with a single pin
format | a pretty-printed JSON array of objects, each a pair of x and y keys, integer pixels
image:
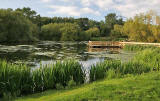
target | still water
[{"x": 47, "y": 52}]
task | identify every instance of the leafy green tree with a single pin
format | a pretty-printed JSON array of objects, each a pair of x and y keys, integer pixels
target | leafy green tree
[
  {"x": 14, "y": 27},
  {"x": 117, "y": 32},
  {"x": 27, "y": 12},
  {"x": 93, "y": 32},
  {"x": 83, "y": 23},
  {"x": 103, "y": 29},
  {"x": 110, "y": 20},
  {"x": 60, "y": 32},
  {"x": 141, "y": 28},
  {"x": 70, "y": 32},
  {"x": 51, "y": 32}
]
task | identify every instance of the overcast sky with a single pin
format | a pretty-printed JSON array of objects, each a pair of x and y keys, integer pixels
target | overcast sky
[{"x": 94, "y": 9}]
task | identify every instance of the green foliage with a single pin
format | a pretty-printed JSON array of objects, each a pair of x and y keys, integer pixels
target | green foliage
[
  {"x": 70, "y": 32},
  {"x": 141, "y": 29},
  {"x": 83, "y": 23},
  {"x": 117, "y": 32},
  {"x": 138, "y": 47},
  {"x": 110, "y": 74},
  {"x": 93, "y": 32},
  {"x": 16, "y": 80},
  {"x": 149, "y": 56},
  {"x": 111, "y": 20},
  {"x": 60, "y": 32},
  {"x": 144, "y": 62},
  {"x": 14, "y": 27},
  {"x": 71, "y": 84},
  {"x": 51, "y": 32},
  {"x": 112, "y": 69},
  {"x": 22, "y": 25},
  {"x": 99, "y": 70},
  {"x": 135, "y": 67},
  {"x": 59, "y": 86},
  {"x": 67, "y": 32},
  {"x": 83, "y": 36}
]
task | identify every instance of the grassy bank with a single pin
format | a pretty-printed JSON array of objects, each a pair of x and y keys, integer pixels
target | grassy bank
[{"x": 130, "y": 88}]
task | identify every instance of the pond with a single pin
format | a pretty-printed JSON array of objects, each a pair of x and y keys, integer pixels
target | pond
[{"x": 47, "y": 52}]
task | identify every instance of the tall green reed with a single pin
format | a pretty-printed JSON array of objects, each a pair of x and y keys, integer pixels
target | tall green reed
[
  {"x": 143, "y": 62},
  {"x": 99, "y": 70},
  {"x": 151, "y": 57},
  {"x": 16, "y": 80},
  {"x": 138, "y": 47}
]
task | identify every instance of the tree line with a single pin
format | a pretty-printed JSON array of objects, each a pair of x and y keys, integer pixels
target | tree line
[
  {"x": 144, "y": 27},
  {"x": 25, "y": 25}
]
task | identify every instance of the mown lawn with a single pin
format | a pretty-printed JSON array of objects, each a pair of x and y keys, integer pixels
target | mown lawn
[{"x": 145, "y": 87}]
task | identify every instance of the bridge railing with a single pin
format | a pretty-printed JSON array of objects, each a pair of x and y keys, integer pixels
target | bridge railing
[{"x": 103, "y": 43}]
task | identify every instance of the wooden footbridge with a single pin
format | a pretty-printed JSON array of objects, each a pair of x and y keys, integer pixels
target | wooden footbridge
[
  {"x": 104, "y": 44},
  {"x": 112, "y": 44}
]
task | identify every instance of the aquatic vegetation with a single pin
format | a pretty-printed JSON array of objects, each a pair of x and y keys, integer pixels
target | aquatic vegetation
[
  {"x": 114, "y": 68},
  {"x": 16, "y": 80},
  {"x": 149, "y": 56},
  {"x": 144, "y": 61},
  {"x": 99, "y": 70},
  {"x": 138, "y": 47}
]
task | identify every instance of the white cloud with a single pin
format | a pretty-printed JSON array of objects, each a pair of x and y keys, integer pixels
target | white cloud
[
  {"x": 46, "y": 1},
  {"x": 68, "y": 10},
  {"x": 72, "y": 10},
  {"x": 64, "y": 0},
  {"x": 86, "y": 2},
  {"x": 128, "y": 8},
  {"x": 89, "y": 11}
]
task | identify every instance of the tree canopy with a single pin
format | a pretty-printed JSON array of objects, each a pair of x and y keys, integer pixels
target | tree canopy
[
  {"x": 14, "y": 27},
  {"x": 25, "y": 25}
]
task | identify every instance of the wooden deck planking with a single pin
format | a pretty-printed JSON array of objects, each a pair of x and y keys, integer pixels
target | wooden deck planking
[{"x": 111, "y": 44}]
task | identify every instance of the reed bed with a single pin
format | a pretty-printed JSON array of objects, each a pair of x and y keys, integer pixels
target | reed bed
[
  {"x": 151, "y": 57},
  {"x": 143, "y": 62},
  {"x": 138, "y": 47},
  {"x": 17, "y": 80},
  {"x": 99, "y": 70},
  {"x": 117, "y": 69}
]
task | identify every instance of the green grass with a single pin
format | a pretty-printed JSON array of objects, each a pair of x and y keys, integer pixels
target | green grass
[
  {"x": 106, "y": 39},
  {"x": 138, "y": 47},
  {"x": 143, "y": 87}
]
